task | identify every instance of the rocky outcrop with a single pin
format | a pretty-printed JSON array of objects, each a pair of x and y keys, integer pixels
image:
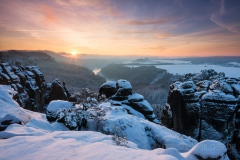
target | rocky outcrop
[
  {"x": 108, "y": 89},
  {"x": 11, "y": 112},
  {"x": 28, "y": 82},
  {"x": 57, "y": 92},
  {"x": 204, "y": 106},
  {"x": 120, "y": 93}
]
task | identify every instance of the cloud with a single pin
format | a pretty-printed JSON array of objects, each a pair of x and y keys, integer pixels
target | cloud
[
  {"x": 147, "y": 21},
  {"x": 157, "y": 47},
  {"x": 48, "y": 13},
  {"x": 216, "y": 17},
  {"x": 134, "y": 32}
]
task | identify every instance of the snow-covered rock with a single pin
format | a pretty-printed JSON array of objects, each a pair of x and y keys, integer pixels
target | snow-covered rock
[
  {"x": 28, "y": 82},
  {"x": 54, "y": 106},
  {"x": 135, "y": 97},
  {"x": 145, "y": 134},
  {"x": 207, "y": 149},
  {"x": 221, "y": 86},
  {"x": 108, "y": 88},
  {"x": 39, "y": 139},
  {"x": 10, "y": 112},
  {"x": 120, "y": 94},
  {"x": 203, "y": 106}
]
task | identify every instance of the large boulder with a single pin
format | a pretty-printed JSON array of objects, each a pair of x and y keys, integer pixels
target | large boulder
[
  {"x": 54, "y": 106},
  {"x": 108, "y": 88},
  {"x": 57, "y": 92}
]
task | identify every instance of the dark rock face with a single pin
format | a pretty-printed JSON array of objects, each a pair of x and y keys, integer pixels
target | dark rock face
[
  {"x": 7, "y": 120},
  {"x": 120, "y": 93},
  {"x": 108, "y": 88},
  {"x": 57, "y": 92},
  {"x": 204, "y": 105},
  {"x": 184, "y": 97},
  {"x": 28, "y": 82}
]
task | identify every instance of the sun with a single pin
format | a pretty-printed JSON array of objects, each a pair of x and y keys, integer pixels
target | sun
[{"x": 73, "y": 53}]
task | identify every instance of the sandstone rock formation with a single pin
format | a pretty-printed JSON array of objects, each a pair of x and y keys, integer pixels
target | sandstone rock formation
[
  {"x": 120, "y": 93},
  {"x": 204, "y": 106},
  {"x": 28, "y": 82}
]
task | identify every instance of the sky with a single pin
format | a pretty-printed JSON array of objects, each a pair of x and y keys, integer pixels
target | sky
[{"x": 177, "y": 28}]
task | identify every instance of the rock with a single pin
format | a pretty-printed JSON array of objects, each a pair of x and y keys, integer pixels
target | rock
[
  {"x": 166, "y": 117},
  {"x": 57, "y": 92},
  {"x": 37, "y": 74},
  {"x": 54, "y": 106},
  {"x": 24, "y": 81},
  {"x": 11, "y": 112},
  {"x": 217, "y": 110},
  {"x": 221, "y": 85},
  {"x": 108, "y": 88},
  {"x": 203, "y": 106},
  {"x": 143, "y": 107},
  {"x": 10, "y": 119},
  {"x": 4, "y": 79},
  {"x": 208, "y": 150},
  {"x": 120, "y": 93},
  {"x": 124, "y": 88},
  {"x": 204, "y": 85},
  {"x": 135, "y": 98}
]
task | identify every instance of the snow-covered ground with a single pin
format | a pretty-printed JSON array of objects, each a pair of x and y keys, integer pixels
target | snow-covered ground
[{"x": 36, "y": 138}]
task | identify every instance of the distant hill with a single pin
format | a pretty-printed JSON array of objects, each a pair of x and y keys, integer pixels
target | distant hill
[
  {"x": 139, "y": 75},
  {"x": 220, "y": 60},
  {"x": 89, "y": 61},
  {"x": 76, "y": 77}
]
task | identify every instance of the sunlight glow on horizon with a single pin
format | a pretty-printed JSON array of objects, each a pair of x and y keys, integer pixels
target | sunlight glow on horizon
[{"x": 73, "y": 53}]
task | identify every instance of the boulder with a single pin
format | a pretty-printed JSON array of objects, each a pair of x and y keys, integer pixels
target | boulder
[
  {"x": 221, "y": 85},
  {"x": 124, "y": 87},
  {"x": 108, "y": 88},
  {"x": 57, "y": 92},
  {"x": 54, "y": 106}
]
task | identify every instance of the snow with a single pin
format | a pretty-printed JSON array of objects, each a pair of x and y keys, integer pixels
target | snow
[
  {"x": 109, "y": 84},
  {"x": 207, "y": 149},
  {"x": 135, "y": 97},
  {"x": 39, "y": 139},
  {"x": 121, "y": 83},
  {"x": 143, "y": 132},
  {"x": 144, "y": 105},
  {"x": 54, "y": 106},
  {"x": 218, "y": 96},
  {"x": 10, "y": 107}
]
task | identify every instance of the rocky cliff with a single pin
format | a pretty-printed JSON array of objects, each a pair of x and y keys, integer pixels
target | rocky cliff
[
  {"x": 28, "y": 82},
  {"x": 204, "y": 105}
]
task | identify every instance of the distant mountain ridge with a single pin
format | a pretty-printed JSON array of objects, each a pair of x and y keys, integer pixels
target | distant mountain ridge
[
  {"x": 213, "y": 59},
  {"x": 75, "y": 76}
]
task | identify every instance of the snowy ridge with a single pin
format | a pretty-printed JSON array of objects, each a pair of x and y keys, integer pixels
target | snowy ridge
[{"x": 39, "y": 139}]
